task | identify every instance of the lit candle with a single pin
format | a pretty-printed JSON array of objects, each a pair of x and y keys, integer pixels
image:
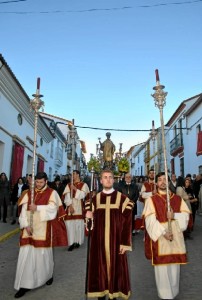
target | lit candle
[
  {"x": 38, "y": 83},
  {"x": 157, "y": 75}
]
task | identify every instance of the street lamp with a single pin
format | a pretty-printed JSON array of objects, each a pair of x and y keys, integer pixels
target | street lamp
[
  {"x": 120, "y": 149},
  {"x": 97, "y": 149},
  {"x": 99, "y": 154},
  {"x": 71, "y": 142},
  {"x": 153, "y": 135}
]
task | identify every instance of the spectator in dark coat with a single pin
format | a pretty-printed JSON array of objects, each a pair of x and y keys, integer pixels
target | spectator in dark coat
[
  {"x": 4, "y": 196},
  {"x": 130, "y": 189},
  {"x": 58, "y": 186},
  {"x": 16, "y": 193}
]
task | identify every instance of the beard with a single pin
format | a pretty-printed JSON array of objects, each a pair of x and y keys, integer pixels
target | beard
[
  {"x": 41, "y": 188},
  {"x": 162, "y": 188}
]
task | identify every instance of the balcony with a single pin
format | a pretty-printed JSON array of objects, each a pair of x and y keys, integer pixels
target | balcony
[{"x": 176, "y": 145}]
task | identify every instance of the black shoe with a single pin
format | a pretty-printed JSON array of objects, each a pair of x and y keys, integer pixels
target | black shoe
[
  {"x": 21, "y": 292},
  {"x": 71, "y": 247},
  {"x": 4, "y": 221},
  {"x": 13, "y": 222},
  {"x": 50, "y": 281},
  {"x": 77, "y": 245}
]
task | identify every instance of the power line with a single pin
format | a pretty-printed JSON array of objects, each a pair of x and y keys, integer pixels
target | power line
[
  {"x": 195, "y": 123},
  {"x": 96, "y": 9},
  {"x": 111, "y": 129},
  {"x": 128, "y": 130},
  {"x": 172, "y": 3},
  {"x": 11, "y": 1}
]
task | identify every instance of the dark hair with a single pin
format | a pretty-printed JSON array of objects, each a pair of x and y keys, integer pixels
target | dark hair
[
  {"x": 150, "y": 170},
  {"x": 188, "y": 175},
  {"x": 41, "y": 175},
  {"x": 4, "y": 175},
  {"x": 180, "y": 181},
  {"x": 159, "y": 175},
  {"x": 57, "y": 178},
  {"x": 19, "y": 179},
  {"x": 77, "y": 172}
]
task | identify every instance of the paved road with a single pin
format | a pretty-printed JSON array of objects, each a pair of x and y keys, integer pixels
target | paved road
[{"x": 70, "y": 269}]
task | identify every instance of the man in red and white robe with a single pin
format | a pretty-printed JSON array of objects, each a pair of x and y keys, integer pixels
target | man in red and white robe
[
  {"x": 165, "y": 248},
  {"x": 35, "y": 261},
  {"x": 74, "y": 196},
  {"x": 149, "y": 187}
]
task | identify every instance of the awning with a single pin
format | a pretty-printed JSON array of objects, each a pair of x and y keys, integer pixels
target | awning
[{"x": 199, "y": 144}]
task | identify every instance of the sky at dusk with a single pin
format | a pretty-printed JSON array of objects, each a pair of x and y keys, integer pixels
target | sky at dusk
[{"x": 97, "y": 60}]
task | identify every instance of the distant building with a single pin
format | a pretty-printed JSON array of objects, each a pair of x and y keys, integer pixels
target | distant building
[{"x": 61, "y": 127}]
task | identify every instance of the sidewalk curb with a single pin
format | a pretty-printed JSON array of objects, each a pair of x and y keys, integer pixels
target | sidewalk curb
[{"x": 9, "y": 234}]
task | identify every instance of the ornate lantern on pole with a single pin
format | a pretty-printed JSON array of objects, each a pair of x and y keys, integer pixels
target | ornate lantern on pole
[
  {"x": 160, "y": 101},
  {"x": 71, "y": 143},
  {"x": 72, "y": 149},
  {"x": 35, "y": 104}
]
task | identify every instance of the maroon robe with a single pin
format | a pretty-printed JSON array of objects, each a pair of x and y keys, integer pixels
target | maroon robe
[{"x": 108, "y": 270}]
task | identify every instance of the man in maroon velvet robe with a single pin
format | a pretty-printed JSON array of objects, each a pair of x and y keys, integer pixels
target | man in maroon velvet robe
[{"x": 110, "y": 239}]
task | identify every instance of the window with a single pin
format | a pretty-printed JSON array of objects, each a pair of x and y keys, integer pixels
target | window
[
  {"x": 180, "y": 125},
  {"x": 182, "y": 166},
  {"x": 180, "y": 131},
  {"x": 172, "y": 163},
  {"x": 52, "y": 149},
  {"x": 19, "y": 117},
  {"x": 198, "y": 129},
  {"x": 175, "y": 130}
]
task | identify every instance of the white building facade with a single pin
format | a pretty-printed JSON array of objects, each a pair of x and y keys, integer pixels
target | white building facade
[
  {"x": 17, "y": 134},
  {"x": 183, "y": 141},
  {"x": 185, "y": 126}
]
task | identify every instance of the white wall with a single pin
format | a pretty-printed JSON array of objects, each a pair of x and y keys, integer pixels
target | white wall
[{"x": 192, "y": 161}]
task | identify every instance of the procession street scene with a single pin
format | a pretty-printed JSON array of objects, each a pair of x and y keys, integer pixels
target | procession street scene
[{"x": 100, "y": 173}]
